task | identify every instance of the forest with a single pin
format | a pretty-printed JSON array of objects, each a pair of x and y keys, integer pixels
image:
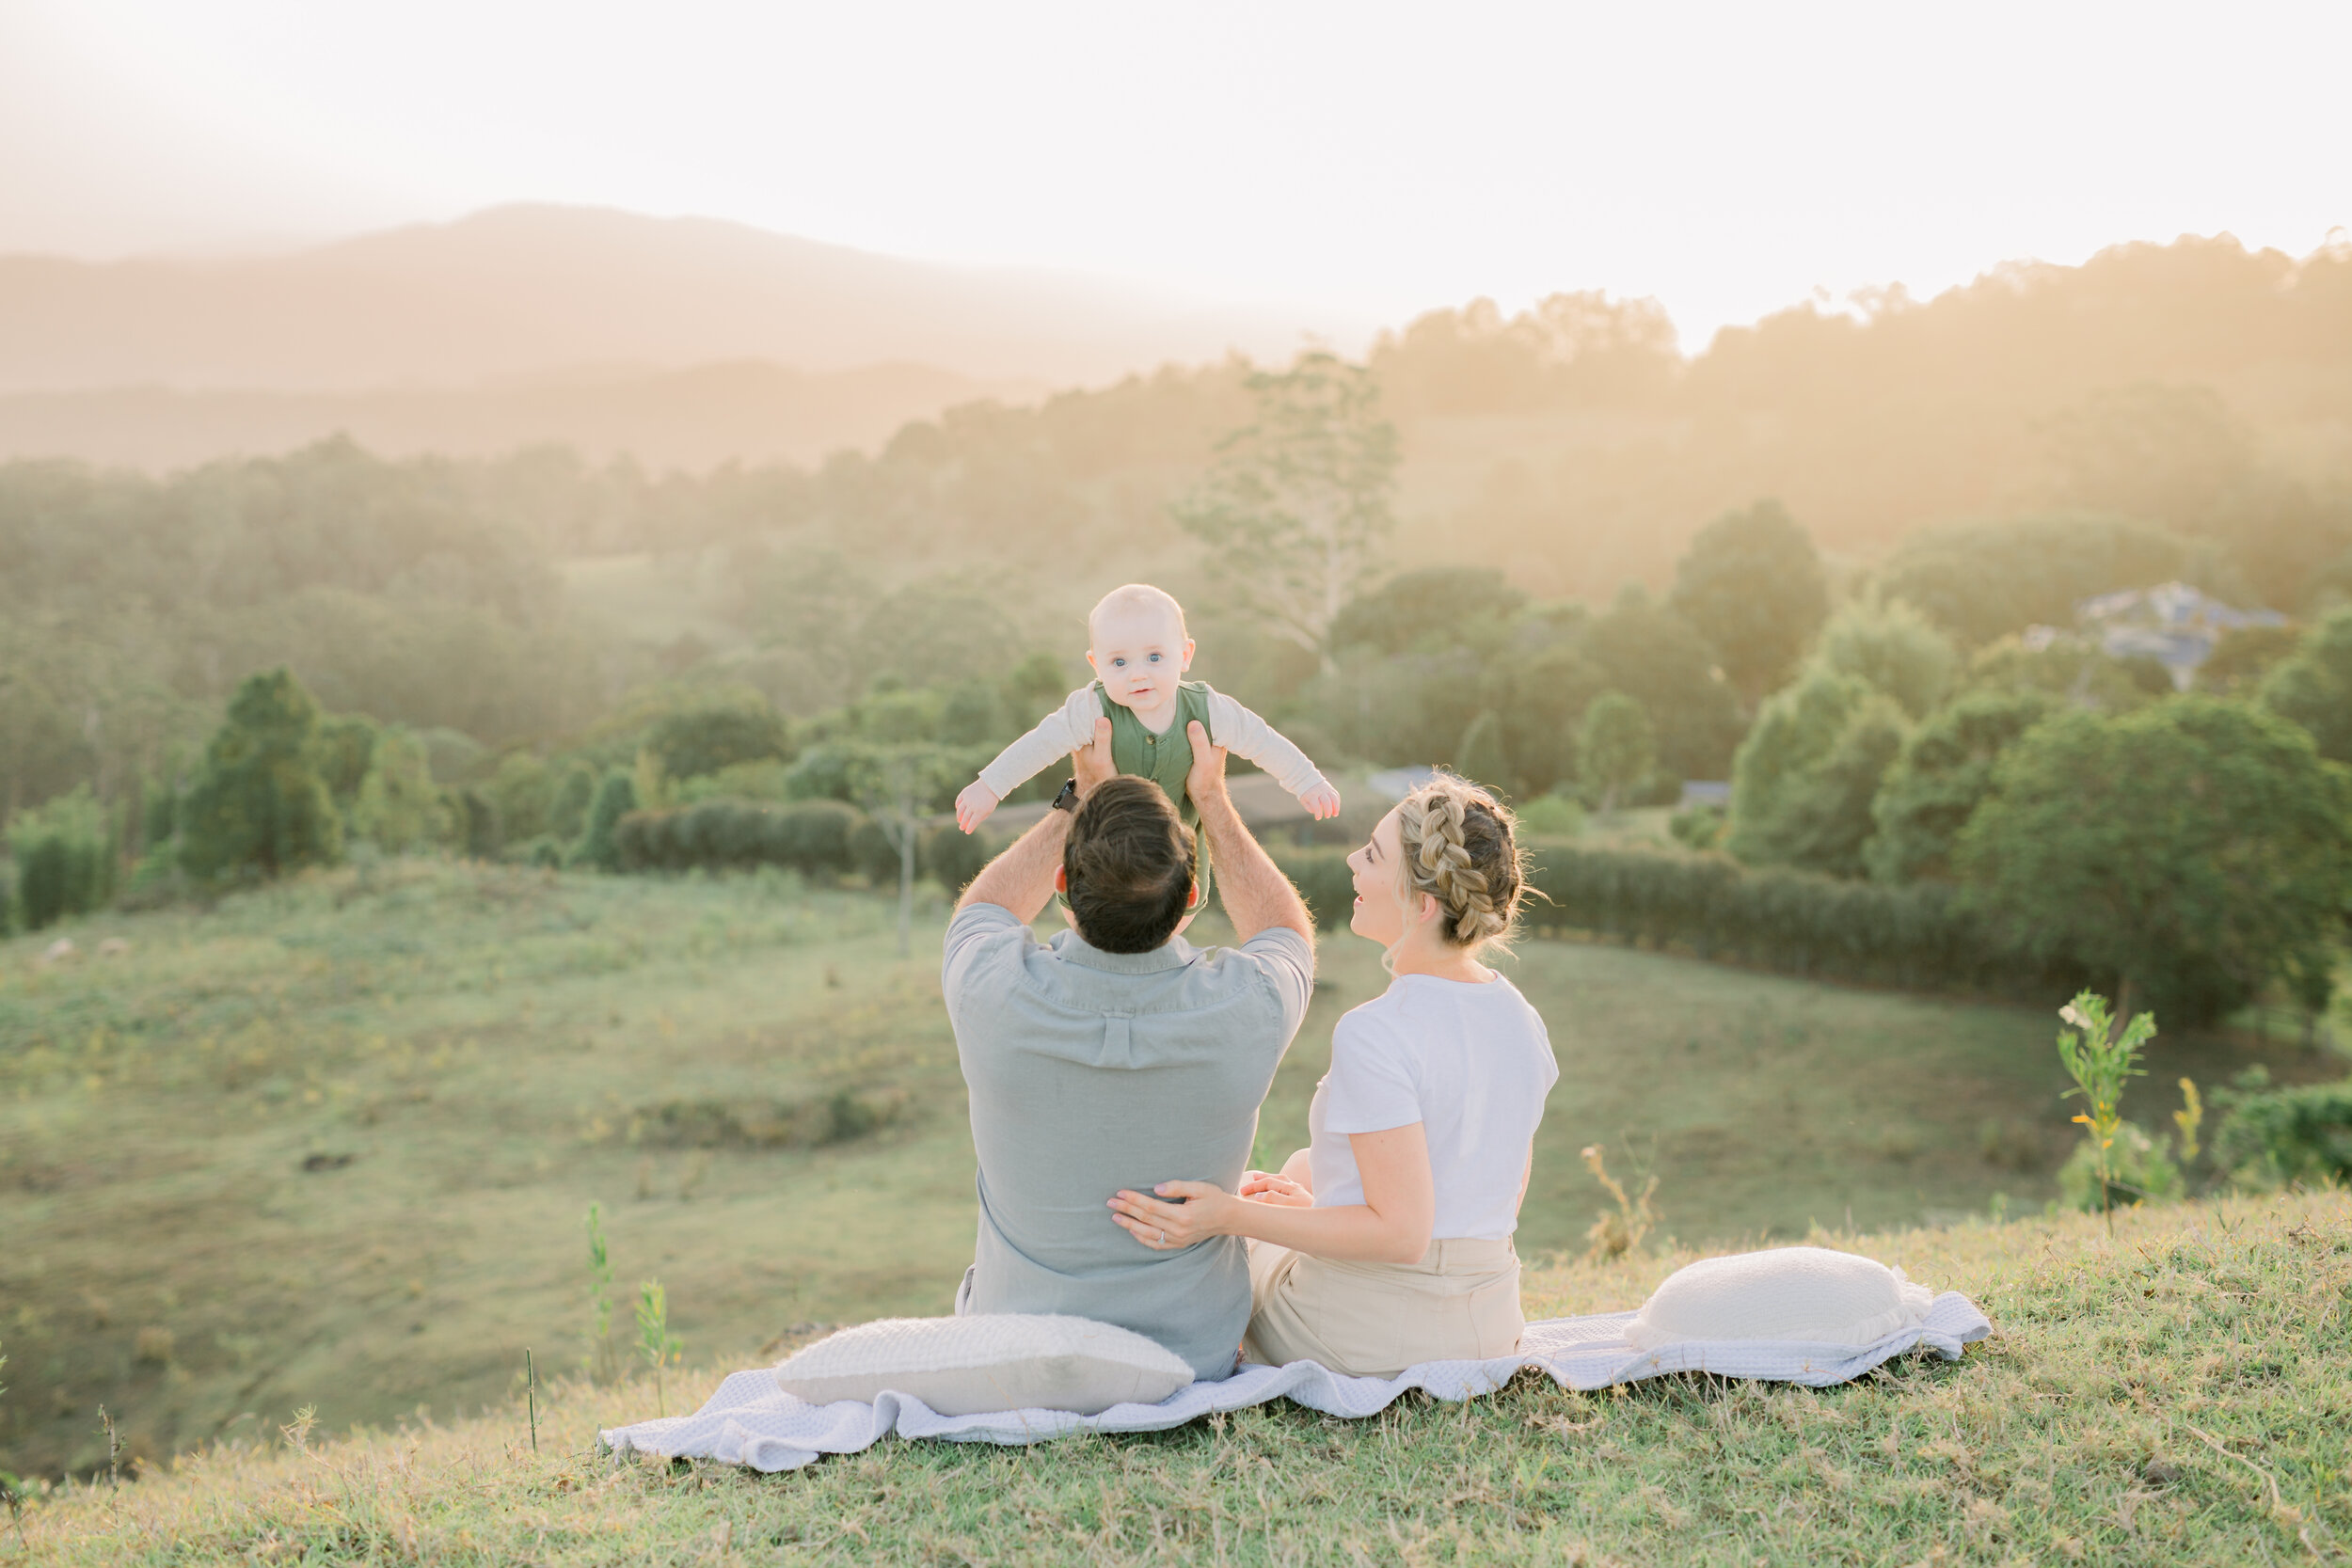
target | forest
[{"x": 1836, "y": 562}]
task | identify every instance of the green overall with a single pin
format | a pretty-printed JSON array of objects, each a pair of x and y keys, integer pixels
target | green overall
[{"x": 1166, "y": 760}]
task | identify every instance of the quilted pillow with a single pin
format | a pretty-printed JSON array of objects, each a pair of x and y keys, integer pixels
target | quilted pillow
[
  {"x": 1798, "y": 1292},
  {"x": 987, "y": 1362}
]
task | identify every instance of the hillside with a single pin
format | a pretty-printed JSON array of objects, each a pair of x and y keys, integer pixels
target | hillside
[
  {"x": 2171, "y": 1394},
  {"x": 753, "y": 411},
  {"x": 529, "y": 289},
  {"x": 332, "y": 1143}
]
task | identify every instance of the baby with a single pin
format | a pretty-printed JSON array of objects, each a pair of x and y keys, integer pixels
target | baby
[{"x": 1140, "y": 654}]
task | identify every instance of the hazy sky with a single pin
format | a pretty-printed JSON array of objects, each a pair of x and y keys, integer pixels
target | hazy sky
[{"x": 1376, "y": 159}]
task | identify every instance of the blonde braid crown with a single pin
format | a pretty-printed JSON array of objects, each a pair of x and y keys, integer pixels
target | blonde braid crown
[{"x": 1462, "y": 849}]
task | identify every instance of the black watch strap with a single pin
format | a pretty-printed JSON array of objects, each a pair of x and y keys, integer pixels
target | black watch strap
[{"x": 1068, "y": 799}]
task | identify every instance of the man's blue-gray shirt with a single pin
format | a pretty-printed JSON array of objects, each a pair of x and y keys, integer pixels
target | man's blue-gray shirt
[{"x": 1090, "y": 1071}]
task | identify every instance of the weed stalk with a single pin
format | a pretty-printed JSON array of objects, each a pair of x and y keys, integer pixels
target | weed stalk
[{"x": 2100, "y": 1057}]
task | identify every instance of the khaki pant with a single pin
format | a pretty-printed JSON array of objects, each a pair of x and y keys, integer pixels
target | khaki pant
[{"x": 1460, "y": 1303}]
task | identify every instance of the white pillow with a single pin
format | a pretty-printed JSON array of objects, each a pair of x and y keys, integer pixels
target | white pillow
[
  {"x": 1799, "y": 1293},
  {"x": 989, "y": 1362}
]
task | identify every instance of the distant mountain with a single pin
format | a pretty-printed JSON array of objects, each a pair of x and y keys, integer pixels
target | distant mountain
[
  {"x": 750, "y": 411},
  {"x": 529, "y": 289}
]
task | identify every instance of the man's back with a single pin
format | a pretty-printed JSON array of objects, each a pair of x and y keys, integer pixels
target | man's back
[{"x": 1090, "y": 1071}]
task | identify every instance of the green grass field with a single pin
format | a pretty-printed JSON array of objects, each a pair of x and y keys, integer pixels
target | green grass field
[
  {"x": 331, "y": 1144},
  {"x": 2171, "y": 1395}
]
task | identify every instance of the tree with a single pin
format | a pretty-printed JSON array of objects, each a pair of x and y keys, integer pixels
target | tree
[
  {"x": 399, "y": 807},
  {"x": 346, "y": 745},
  {"x": 616, "y": 797},
  {"x": 1439, "y": 603},
  {"x": 1617, "y": 748},
  {"x": 1802, "y": 785},
  {"x": 259, "y": 805},
  {"x": 1480, "y": 757},
  {"x": 1296, "y": 508},
  {"x": 1752, "y": 583},
  {"x": 2194, "y": 849},
  {"x": 901, "y": 787},
  {"x": 1941, "y": 776},
  {"x": 2313, "y": 688},
  {"x": 1654, "y": 656},
  {"x": 702, "y": 740},
  {"x": 1891, "y": 645}
]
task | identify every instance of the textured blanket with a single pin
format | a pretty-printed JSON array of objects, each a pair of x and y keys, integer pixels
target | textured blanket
[{"x": 751, "y": 1421}]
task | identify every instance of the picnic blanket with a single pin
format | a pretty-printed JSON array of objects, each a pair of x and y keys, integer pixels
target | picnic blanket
[{"x": 751, "y": 1421}]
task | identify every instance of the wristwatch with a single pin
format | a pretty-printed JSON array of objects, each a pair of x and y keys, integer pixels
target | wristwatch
[{"x": 1068, "y": 799}]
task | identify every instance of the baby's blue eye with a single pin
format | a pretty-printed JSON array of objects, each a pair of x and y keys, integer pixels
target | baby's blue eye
[
  {"x": 1116, "y": 662},
  {"x": 1155, "y": 659}
]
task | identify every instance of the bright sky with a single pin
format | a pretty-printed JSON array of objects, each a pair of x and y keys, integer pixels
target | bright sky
[{"x": 1374, "y": 160}]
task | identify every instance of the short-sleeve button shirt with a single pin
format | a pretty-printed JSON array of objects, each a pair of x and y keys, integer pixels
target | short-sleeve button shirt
[{"x": 1090, "y": 1071}]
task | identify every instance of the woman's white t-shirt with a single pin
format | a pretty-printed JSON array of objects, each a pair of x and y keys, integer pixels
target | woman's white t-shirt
[{"x": 1469, "y": 1061}]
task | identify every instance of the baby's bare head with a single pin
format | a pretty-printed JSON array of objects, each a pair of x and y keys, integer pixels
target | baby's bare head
[
  {"x": 1137, "y": 608},
  {"x": 1138, "y": 647}
]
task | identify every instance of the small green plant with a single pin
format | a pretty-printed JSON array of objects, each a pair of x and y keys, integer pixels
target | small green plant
[
  {"x": 1613, "y": 1235},
  {"x": 597, "y": 1362},
  {"x": 655, "y": 1342},
  {"x": 2100, "y": 1059}
]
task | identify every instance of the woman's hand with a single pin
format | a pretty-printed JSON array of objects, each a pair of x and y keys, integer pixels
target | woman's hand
[
  {"x": 1172, "y": 1227},
  {"x": 1259, "y": 1186}
]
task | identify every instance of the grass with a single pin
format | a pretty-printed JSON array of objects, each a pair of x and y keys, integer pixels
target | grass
[
  {"x": 331, "y": 1144},
  {"x": 2172, "y": 1395}
]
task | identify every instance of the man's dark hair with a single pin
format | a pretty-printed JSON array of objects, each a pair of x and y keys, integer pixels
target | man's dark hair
[{"x": 1129, "y": 865}]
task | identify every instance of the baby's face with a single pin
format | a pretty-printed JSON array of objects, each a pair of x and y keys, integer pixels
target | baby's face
[{"x": 1140, "y": 654}]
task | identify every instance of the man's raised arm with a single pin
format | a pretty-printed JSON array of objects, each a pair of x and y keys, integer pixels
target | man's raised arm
[
  {"x": 1022, "y": 878},
  {"x": 1257, "y": 895}
]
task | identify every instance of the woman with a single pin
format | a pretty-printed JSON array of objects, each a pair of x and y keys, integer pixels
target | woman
[{"x": 1424, "y": 1127}]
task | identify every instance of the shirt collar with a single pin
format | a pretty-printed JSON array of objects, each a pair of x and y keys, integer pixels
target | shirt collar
[{"x": 1174, "y": 953}]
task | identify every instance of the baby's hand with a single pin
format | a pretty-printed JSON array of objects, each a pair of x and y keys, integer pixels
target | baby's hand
[
  {"x": 973, "y": 805},
  {"x": 1321, "y": 801}
]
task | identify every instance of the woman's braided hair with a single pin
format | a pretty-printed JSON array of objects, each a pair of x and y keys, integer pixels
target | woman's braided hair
[{"x": 1461, "y": 848}]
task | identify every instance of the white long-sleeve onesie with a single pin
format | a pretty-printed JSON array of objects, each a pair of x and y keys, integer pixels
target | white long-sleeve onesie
[{"x": 1071, "y": 725}]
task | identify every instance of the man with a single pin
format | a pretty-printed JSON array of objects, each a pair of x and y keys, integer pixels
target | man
[{"x": 1119, "y": 1055}]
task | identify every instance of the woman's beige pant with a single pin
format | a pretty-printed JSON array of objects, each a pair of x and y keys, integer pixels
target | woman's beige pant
[{"x": 1460, "y": 1303}]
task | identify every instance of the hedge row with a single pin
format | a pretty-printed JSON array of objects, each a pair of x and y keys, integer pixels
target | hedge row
[
  {"x": 818, "y": 838},
  {"x": 1708, "y": 905}
]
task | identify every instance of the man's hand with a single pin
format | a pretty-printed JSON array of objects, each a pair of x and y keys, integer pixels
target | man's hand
[
  {"x": 1092, "y": 764},
  {"x": 974, "y": 804},
  {"x": 1206, "y": 782},
  {"x": 1322, "y": 800}
]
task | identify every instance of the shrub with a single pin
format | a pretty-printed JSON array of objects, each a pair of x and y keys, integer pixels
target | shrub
[
  {"x": 706, "y": 739},
  {"x": 2268, "y": 1138},
  {"x": 814, "y": 837},
  {"x": 1617, "y": 748},
  {"x": 1553, "y": 815},
  {"x": 952, "y": 857},
  {"x": 259, "y": 807},
  {"x": 2140, "y": 1170},
  {"x": 1699, "y": 827},
  {"x": 1802, "y": 782},
  {"x": 872, "y": 854},
  {"x": 1798, "y": 923},
  {"x": 615, "y": 797},
  {"x": 399, "y": 807},
  {"x": 1324, "y": 881},
  {"x": 64, "y": 863}
]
